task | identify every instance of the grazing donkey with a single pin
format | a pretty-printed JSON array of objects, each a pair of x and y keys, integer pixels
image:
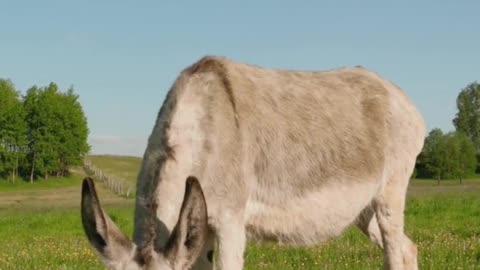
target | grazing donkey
[{"x": 288, "y": 156}]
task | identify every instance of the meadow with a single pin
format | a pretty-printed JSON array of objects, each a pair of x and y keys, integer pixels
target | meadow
[{"x": 40, "y": 227}]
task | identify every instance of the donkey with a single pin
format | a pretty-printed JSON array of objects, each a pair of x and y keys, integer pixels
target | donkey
[{"x": 288, "y": 156}]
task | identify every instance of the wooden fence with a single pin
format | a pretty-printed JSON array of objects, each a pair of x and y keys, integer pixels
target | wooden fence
[{"x": 119, "y": 186}]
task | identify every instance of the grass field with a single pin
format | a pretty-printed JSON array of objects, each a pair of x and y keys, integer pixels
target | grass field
[
  {"x": 40, "y": 228},
  {"x": 120, "y": 166}
]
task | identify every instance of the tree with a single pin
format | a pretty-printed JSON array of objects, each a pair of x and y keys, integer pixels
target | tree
[
  {"x": 57, "y": 131},
  {"x": 467, "y": 119},
  {"x": 72, "y": 132},
  {"x": 434, "y": 154},
  {"x": 450, "y": 155},
  {"x": 35, "y": 128},
  {"x": 466, "y": 161},
  {"x": 12, "y": 130},
  {"x": 43, "y": 134}
]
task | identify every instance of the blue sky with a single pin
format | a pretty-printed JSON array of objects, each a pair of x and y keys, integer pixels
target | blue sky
[{"x": 122, "y": 56}]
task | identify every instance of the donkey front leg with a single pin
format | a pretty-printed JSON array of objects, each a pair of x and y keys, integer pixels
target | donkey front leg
[
  {"x": 399, "y": 251},
  {"x": 231, "y": 237}
]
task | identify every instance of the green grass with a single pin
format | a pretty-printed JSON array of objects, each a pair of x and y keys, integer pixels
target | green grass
[
  {"x": 124, "y": 167},
  {"x": 50, "y": 239},
  {"x": 40, "y": 225},
  {"x": 43, "y": 229},
  {"x": 445, "y": 227},
  {"x": 39, "y": 184}
]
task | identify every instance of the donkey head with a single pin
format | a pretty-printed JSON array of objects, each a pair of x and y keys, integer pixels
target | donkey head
[{"x": 118, "y": 252}]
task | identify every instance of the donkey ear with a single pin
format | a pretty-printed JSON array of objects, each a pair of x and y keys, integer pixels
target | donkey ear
[
  {"x": 190, "y": 234},
  {"x": 101, "y": 232}
]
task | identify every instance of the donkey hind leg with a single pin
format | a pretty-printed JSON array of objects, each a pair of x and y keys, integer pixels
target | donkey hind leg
[
  {"x": 367, "y": 223},
  {"x": 399, "y": 251},
  {"x": 205, "y": 261},
  {"x": 231, "y": 241}
]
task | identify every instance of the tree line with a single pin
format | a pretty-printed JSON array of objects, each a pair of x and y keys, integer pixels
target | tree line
[
  {"x": 454, "y": 155},
  {"x": 42, "y": 133}
]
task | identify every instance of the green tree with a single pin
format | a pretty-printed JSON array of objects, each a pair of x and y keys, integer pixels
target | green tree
[
  {"x": 467, "y": 119},
  {"x": 12, "y": 130},
  {"x": 434, "y": 154},
  {"x": 35, "y": 130},
  {"x": 466, "y": 160},
  {"x": 51, "y": 103},
  {"x": 41, "y": 105},
  {"x": 72, "y": 132},
  {"x": 57, "y": 131},
  {"x": 450, "y": 155}
]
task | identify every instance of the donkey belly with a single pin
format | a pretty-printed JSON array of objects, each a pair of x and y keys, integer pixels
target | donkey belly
[{"x": 309, "y": 219}]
